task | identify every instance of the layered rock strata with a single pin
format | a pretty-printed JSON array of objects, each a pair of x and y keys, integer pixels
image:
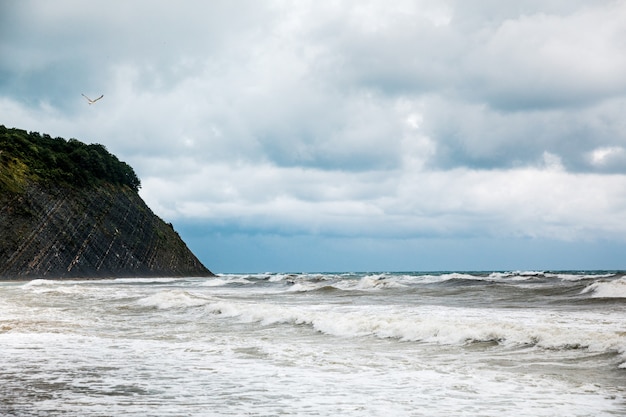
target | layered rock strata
[
  {"x": 100, "y": 228},
  {"x": 105, "y": 231}
]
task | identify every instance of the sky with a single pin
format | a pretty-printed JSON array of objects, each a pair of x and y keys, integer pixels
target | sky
[{"x": 347, "y": 135}]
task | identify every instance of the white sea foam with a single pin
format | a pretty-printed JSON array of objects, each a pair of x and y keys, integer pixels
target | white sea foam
[
  {"x": 304, "y": 286},
  {"x": 225, "y": 280},
  {"x": 172, "y": 299},
  {"x": 578, "y": 277},
  {"x": 378, "y": 282},
  {"x": 530, "y": 273},
  {"x": 448, "y": 326},
  {"x": 43, "y": 286},
  {"x": 248, "y": 376},
  {"x": 216, "y": 282},
  {"x": 186, "y": 348},
  {"x": 39, "y": 283},
  {"x": 160, "y": 280},
  {"x": 277, "y": 277},
  {"x": 607, "y": 289},
  {"x": 407, "y": 279},
  {"x": 366, "y": 283},
  {"x": 515, "y": 276},
  {"x": 458, "y": 327}
]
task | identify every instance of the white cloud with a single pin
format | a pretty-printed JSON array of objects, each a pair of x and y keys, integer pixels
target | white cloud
[
  {"x": 608, "y": 158},
  {"x": 546, "y": 60},
  {"x": 552, "y": 162},
  {"x": 411, "y": 118},
  {"x": 535, "y": 202}
]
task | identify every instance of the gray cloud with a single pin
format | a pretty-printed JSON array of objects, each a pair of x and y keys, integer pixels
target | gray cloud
[{"x": 415, "y": 118}]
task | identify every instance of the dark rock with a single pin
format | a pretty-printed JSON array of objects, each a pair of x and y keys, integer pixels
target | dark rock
[{"x": 95, "y": 231}]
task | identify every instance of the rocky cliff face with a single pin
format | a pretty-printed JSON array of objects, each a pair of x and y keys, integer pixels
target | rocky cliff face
[
  {"x": 98, "y": 230},
  {"x": 106, "y": 231}
]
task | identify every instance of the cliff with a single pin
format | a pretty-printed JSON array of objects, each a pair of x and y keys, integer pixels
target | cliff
[{"x": 70, "y": 210}]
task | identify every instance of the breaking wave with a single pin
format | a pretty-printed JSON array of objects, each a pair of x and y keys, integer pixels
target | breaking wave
[{"x": 607, "y": 289}]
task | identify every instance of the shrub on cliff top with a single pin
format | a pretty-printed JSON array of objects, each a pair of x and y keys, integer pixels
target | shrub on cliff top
[{"x": 68, "y": 162}]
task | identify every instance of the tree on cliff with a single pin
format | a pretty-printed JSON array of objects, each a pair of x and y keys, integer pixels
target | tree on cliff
[{"x": 43, "y": 158}]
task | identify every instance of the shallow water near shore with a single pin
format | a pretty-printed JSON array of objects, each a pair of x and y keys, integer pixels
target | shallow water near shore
[{"x": 404, "y": 344}]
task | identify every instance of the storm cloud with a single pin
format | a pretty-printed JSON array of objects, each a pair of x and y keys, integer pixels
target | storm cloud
[{"x": 325, "y": 121}]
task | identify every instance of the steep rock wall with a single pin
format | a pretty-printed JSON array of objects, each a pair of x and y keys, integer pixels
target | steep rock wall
[{"x": 94, "y": 232}]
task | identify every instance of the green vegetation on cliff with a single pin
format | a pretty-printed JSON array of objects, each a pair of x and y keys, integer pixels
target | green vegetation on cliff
[
  {"x": 31, "y": 156},
  {"x": 70, "y": 210}
]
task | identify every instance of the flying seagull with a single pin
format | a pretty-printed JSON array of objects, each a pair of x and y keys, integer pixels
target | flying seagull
[{"x": 92, "y": 101}]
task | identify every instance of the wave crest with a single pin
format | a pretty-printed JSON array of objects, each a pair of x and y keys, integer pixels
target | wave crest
[
  {"x": 607, "y": 289},
  {"x": 165, "y": 300}
]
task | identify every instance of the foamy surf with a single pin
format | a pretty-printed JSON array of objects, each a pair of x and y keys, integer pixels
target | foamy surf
[
  {"x": 172, "y": 299},
  {"x": 523, "y": 343},
  {"x": 607, "y": 289}
]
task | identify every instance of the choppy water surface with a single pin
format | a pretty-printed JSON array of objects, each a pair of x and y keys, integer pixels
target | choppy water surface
[{"x": 401, "y": 344}]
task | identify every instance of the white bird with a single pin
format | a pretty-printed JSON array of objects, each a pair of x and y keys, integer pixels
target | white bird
[{"x": 92, "y": 101}]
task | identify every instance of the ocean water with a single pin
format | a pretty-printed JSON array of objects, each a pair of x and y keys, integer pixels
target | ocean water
[{"x": 389, "y": 344}]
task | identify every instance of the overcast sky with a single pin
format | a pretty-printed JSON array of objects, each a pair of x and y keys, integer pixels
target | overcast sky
[{"x": 345, "y": 135}]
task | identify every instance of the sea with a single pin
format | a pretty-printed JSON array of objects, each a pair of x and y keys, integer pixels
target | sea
[{"x": 517, "y": 343}]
